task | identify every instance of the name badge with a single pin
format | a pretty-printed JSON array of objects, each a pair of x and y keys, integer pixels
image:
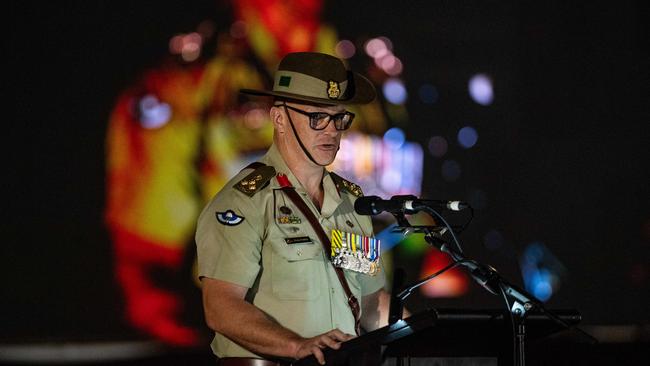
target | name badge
[{"x": 298, "y": 240}]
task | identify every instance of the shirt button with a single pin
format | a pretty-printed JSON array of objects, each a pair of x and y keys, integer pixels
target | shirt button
[{"x": 299, "y": 252}]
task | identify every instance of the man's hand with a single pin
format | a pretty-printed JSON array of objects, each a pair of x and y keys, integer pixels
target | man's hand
[
  {"x": 227, "y": 312},
  {"x": 314, "y": 345}
]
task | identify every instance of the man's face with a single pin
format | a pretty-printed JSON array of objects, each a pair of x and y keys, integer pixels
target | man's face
[{"x": 321, "y": 144}]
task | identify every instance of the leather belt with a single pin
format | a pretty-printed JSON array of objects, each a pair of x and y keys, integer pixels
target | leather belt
[{"x": 245, "y": 361}]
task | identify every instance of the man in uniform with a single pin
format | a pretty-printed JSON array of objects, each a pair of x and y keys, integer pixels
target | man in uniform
[{"x": 286, "y": 265}]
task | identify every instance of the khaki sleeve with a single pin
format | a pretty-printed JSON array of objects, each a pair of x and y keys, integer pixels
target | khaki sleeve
[{"x": 229, "y": 249}]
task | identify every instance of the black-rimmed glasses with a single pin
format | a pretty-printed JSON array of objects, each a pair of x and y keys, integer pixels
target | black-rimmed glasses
[{"x": 319, "y": 120}]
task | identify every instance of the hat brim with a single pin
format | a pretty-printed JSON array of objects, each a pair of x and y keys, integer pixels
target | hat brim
[{"x": 363, "y": 92}]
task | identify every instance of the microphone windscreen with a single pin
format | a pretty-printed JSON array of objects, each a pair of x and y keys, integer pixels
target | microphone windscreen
[{"x": 364, "y": 205}]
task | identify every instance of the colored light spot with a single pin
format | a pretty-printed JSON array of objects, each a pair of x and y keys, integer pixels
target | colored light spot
[
  {"x": 452, "y": 283},
  {"x": 391, "y": 180},
  {"x": 153, "y": 113},
  {"x": 387, "y": 42},
  {"x": 255, "y": 118},
  {"x": 394, "y": 138},
  {"x": 176, "y": 44},
  {"x": 376, "y": 47},
  {"x": 413, "y": 245},
  {"x": 345, "y": 49},
  {"x": 438, "y": 146},
  {"x": 390, "y": 64},
  {"x": 467, "y": 137},
  {"x": 541, "y": 271},
  {"x": 395, "y": 91},
  {"x": 239, "y": 29},
  {"x": 480, "y": 89}
]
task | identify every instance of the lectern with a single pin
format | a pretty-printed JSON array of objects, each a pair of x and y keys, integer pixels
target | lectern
[{"x": 443, "y": 333}]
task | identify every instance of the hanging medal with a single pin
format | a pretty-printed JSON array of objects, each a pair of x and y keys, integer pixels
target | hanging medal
[{"x": 355, "y": 252}]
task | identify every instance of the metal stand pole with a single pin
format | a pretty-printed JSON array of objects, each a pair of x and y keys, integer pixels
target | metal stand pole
[{"x": 521, "y": 336}]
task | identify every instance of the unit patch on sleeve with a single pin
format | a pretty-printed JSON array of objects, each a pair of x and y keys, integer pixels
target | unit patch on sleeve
[{"x": 229, "y": 217}]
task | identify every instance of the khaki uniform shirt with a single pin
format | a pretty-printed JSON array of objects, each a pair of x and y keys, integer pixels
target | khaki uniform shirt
[{"x": 293, "y": 283}]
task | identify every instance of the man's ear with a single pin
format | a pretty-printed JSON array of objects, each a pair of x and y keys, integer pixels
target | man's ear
[{"x": 277, "y": 117}]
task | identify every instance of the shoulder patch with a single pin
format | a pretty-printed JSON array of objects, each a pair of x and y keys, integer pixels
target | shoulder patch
[
  {"x": 256, "y": 180},
  {"x": 346, "y": 185},
  {"x": 229, "y": 217}
]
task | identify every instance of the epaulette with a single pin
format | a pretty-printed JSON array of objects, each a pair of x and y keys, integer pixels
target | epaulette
[
  {"x": 256, "y": 180},
  {"x": 345, "y": 185}
]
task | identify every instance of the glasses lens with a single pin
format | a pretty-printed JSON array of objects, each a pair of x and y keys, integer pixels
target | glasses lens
[
  {"x": 319, "y": 121},
  {"x": 343, "y": 121}
]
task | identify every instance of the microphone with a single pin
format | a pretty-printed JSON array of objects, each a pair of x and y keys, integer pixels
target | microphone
[{"x": 373, "y": 205}]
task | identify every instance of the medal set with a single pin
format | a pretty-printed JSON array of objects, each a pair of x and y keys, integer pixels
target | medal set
[{"x": 355, "y": 252}]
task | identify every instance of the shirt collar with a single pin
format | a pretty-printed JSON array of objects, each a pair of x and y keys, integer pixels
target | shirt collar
[{"x": 331, "y": 199}]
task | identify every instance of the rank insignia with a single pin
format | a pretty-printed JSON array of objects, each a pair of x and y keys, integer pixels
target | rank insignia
[
  {"x": 355, "y": 252},
  {"x": 229, "y": 217},
  {"x": 333, "y": 91},
  {"x": 255, "y": 180},
  {"x": 345, "y": 185}
]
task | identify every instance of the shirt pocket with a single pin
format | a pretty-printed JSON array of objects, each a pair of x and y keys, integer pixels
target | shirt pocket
[{"x": 297, "y": 270}]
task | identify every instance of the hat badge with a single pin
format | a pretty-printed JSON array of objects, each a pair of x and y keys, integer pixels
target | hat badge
[{"x": 333, "y": 91}]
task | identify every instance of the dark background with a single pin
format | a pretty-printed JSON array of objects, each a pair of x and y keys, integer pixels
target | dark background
[{"x": 562, "y": 155}]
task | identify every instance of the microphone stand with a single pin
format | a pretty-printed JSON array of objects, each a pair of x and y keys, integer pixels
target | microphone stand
[{"x": 487, "y": 277}]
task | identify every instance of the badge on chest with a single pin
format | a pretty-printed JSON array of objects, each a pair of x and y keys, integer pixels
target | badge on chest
[
  {"x": 284, "y": 211},
  {"x": 285, "y": 215},
  {"x": 355, "y": 252}
]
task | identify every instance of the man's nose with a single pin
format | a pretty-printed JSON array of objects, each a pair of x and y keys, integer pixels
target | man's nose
[{"x": 331, "y": 127}]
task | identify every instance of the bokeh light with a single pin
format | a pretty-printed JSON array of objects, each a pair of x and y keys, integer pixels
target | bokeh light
[
  {"x": 255, "y": 118},
  {"x": 438, "y": 146},
  {"x": 239, "y": 29},
  {"x": 428, "y": 94},
  {"x": 541, "y": 271},
  {"x": 153, "y": 113},
  {"x": 413, "y": 245},
  {"x": 394, "y": 138},
  {"x": 395, "y": 91},
  {"x": 452, "y": 283},
  {"x": 480, "y": 89},
  {"x": 391, "y": 180},
  {"x": 451, "y": 170},
  {"x": 376, "y": 47},
  {"x": 381, "y": 50},
  {"x": 206, "y": 29},
  {"x": 345, "y": 49},
  {"x": 387, "y": 42},
  {"x": 467, "y": 137},
  {"x": 187, "y": 45},
  {"x": 390, "y": 64}
]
